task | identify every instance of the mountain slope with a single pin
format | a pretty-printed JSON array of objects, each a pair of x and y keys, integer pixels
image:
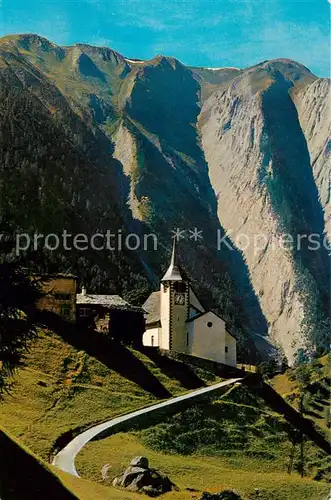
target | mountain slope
[
  {"x": 166, "y": 167},
  {"x": 63, "y": 171},
  {"x": 230, "y": 441},
  {"x": 151, "y": 146},
  {"x": 93, "y": 99}
]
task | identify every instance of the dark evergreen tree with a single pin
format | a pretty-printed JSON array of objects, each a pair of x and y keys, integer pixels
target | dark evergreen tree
[{"x": 18, "y": 296}]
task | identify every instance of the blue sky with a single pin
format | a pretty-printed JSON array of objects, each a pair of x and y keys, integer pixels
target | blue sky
[{"x": 210, "y": 33}]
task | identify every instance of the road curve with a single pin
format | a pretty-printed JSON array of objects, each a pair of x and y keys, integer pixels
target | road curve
[{"x": 65, "y": 459}]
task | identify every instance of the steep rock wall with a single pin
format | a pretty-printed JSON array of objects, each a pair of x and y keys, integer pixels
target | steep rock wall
[
  {"x": 259, "y": 169},
  {"x": 313, "y": 104}
]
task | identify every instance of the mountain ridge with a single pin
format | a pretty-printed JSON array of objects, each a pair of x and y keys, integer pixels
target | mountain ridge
[{"x": 157, "y": 131}]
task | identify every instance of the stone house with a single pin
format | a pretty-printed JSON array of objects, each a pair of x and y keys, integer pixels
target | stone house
[
  {"x": 113, "y": 314},
  {"x": 59, "y": 294}
]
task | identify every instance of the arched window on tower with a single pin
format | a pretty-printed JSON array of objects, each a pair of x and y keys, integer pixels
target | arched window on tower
[
  {"x": 180, "y": 287},
  {"x": 152, "y": 340}
]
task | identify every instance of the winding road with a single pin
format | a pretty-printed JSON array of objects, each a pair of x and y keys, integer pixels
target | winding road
[{"x": 65, "y": 459}]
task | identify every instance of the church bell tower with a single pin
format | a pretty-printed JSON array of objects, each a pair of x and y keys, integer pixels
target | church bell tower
[{"x": 174, "y": 307}]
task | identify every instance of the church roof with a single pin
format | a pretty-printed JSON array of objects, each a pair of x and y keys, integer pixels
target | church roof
[
  {"x": 152, "y": 307},
  {"x": 173, "y": 272}
]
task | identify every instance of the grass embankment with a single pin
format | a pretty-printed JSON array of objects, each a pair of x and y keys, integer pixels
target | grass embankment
[
  {"x": 232, "y": 441},
  {"x": 202, "y": 473},
  {"x": 24, "y": 476},
  {"x": 313, "y": 380},
  {"x": 67, "y": 386}
]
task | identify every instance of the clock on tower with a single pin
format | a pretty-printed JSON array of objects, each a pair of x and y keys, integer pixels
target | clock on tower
[{"x": 179, "y": 299}]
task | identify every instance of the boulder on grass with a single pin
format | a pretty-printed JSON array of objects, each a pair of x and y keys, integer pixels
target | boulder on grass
[
  {"x": 139, "y": 477},
  {"x": 130, "y": 474},
  {"x": 223, "y": 495},
  {"x": 140, "y": 462},
  {"x": 150, "y": 491}
]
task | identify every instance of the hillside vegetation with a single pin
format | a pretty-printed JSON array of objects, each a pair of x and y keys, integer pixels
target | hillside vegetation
[
  {"x": 232, "y": 441},
  {"x": 311, "y": 381},
  {"x": 65, "y": 387}
]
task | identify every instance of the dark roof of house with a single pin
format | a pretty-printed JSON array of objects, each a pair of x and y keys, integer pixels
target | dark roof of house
[
  {"x": 54, "y": 276},
  {"x": 107, "y": 301},
  {"x": 152, "y": 308}
]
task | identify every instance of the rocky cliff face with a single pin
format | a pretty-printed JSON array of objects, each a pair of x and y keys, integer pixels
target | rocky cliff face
[
  {"x": 261, "y": 172},
  {"x": 155, "y": 145},
  {"x": 313, "y": 105},
  {"x": 158, "y": 145}
]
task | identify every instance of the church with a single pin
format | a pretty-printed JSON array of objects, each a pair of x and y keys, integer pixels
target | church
[{"x": 177, "y": 321}]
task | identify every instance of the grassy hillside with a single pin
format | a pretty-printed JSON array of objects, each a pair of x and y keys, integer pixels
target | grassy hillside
[
  {"x": 87, "y": 490},
  {"x": 233, "y": 441},
  {"x": 203, "y": 473},
  {"x": 313, "y": 381},
  {"x": 62, "y": 167},
  {"x": 67, "y": 386}
]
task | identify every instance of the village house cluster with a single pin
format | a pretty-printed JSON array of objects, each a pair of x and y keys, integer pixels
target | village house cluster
[{"x": 171, "y": 319}]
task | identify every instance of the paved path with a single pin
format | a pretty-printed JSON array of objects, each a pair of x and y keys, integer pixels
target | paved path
[{"x": 65, "y": 459}]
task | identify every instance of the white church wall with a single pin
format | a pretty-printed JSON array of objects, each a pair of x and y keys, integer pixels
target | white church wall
[
  {"x": 151, "y": 337},
  {"x": 231, "y": 354},
  {"x": 206, "y": 337}
]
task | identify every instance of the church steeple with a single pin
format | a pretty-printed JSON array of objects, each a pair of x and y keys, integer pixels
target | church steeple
[{"x": 173, "y": 272}]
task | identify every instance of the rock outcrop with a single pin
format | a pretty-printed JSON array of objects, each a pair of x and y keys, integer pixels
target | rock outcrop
[{"x": 140, "y": 477}]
